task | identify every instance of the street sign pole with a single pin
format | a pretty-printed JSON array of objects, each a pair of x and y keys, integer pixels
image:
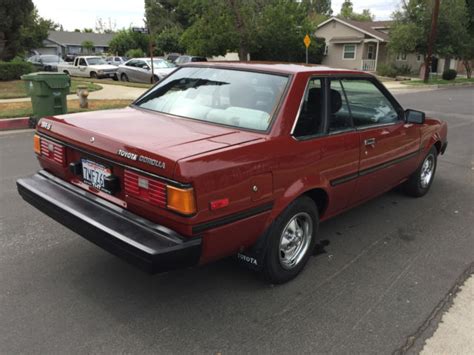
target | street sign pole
[{"x": 307, "y": 42}]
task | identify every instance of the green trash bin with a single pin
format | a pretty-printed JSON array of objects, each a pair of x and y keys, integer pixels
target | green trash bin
[{"x": 48, "y": 92}]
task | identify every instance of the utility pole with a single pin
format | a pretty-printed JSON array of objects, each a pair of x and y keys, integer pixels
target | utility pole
[{"x": 434, "y": 23}]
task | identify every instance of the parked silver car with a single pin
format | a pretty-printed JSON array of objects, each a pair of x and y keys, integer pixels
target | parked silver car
[
  {"x": 116, "y": 60},
  {"x": 139, "y": 70}
]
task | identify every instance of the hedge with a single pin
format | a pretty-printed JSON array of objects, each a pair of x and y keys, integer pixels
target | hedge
[
  {"x": 13, "y": 70},
  {"x": 450, "y": 74}
]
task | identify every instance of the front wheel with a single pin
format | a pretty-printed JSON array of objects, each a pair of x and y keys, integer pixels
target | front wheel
[
  {"x": 420, "y": 181},
  {"x": 291, "y": 241},
  {"x": 94, "y": 75}
]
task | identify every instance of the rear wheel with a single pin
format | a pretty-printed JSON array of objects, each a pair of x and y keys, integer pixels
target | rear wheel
[
  {"x": 66, "y": 72},
  {"x": 124, "y": 77},
  {"x": 420, "y": 181},
  {"x": 291, "y": 241}
]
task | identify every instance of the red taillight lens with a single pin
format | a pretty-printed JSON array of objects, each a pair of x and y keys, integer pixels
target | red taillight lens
[
  {"x": 145, "y": 188},
  {"x": 53, "y": 151}
]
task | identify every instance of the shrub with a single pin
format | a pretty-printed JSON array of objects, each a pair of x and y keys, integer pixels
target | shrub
[
  {"x": 135, "y": 53},
  {"x": 14, "y": 69},
  {"x": 392, "y": 70},
  {"x": 387, "y": 70},
  {"x": 450, "y": 74}
]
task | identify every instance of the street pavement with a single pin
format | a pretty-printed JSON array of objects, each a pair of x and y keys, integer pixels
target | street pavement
[{"x": 383, "y": 280}]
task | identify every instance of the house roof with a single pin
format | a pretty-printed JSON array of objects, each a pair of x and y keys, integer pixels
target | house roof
[
  {"x": 76, "y": 38},
  {"x": 371, "y": 28}
]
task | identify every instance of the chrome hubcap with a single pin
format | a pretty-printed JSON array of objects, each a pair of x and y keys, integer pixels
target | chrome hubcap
[
  {"x": 427, "y": 171},
  {"x": 295, "y": 240}
]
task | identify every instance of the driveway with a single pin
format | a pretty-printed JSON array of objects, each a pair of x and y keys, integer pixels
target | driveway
[{"x": 377, "y": 287}]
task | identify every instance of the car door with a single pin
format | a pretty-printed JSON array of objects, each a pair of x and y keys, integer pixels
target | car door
[
  {"x": 328, "y": 140},
  {"x": 388, "y": 146},
  {"x": 143, "y": 74},
  {"x": 82, "y": 67}
]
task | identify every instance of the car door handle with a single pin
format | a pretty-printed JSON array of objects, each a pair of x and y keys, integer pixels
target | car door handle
[{"x": 369, "y": 141}]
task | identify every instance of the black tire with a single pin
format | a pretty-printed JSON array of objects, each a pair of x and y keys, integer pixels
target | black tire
[
  {"x": 115, "y": 77},
  {"x": 274, "y": 267},
  {"x": 124, "y": 77},
  {"x": 419, "y": 183},
  {"x": 93, "y": 75},
  {"x": 155, "y": 79},
  {"x": 66, "y": 72}
]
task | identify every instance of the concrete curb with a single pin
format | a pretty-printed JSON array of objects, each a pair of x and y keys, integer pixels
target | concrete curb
[
  {"x": 7, "y": 124},
  {"x": 437, "y": 86}
]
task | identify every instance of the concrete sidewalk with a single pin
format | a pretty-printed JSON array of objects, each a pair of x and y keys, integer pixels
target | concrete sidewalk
[
  {"x": 108, "y": 92},
  {"x": 455, "y": 333}
]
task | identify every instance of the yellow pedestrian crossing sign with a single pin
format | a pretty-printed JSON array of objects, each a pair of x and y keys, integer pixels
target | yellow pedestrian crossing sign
[{"x": 307, "y": 41}]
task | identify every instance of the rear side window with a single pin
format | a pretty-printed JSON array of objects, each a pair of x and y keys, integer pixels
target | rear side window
[
  {"x": 339, "y": 114},
  {"x": 311, "y": 120},
  {"x": 368, "y": 105}
]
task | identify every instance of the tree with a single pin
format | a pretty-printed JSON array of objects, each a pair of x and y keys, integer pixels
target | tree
[
  {"x": 347, "y": 11},
  {"x": 88, "y": 46},
  {"x": 105, "y": 27},
  {"x": 35, "y": 30},
  {"x": 168, "y": 41},
  {"x": 127, "y": 39},
  {"x": 290, "y": 21},
  {"x": 13, "y": 15},
  {"x": 88, "y": 30},
  {"x": 466, "y": 53},
  {"x": 410, "y": 31}
]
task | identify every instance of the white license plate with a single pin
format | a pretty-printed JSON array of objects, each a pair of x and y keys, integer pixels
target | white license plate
[{"x": 94, "y": 174}]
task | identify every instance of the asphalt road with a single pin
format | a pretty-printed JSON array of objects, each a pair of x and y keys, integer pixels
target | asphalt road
[{"x": 390, "y": 264}]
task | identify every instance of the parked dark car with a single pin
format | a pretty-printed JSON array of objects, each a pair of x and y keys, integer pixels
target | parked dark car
[
  {"x": 46, "y": 62},
  {"x": 189, "y": 59}
]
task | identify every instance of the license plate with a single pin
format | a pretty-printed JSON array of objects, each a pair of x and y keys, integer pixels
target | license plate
[{"x": 93, "y": 174}]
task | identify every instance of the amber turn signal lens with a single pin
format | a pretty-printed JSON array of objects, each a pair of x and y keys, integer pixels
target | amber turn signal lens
[
  {"x": 37, "y": 144},
  {"x": 181, "y": 200}
]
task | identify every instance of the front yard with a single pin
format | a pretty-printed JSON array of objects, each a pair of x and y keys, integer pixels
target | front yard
[
  {"x": 16, "y": 88},
  {"x": 23, "y": 109}
]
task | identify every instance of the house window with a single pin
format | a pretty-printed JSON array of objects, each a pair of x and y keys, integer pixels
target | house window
[
  {"x": 419, "y": 57},
  {"x": 326, "y": 49},
  {"x": 401, "y": 57},
  {"x": 349, "y": 51}
]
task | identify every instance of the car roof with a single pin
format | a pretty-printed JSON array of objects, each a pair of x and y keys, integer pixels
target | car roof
[{"x": 283, "y": 68}]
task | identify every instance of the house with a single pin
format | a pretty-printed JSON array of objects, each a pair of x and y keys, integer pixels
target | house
[
  {"x": 64, "y": 42},
  {"x": 364, "y": 46}
]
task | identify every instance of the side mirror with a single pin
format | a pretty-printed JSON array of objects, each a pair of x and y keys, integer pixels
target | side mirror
[
  {"x": 414, "y": 116},
  {"x": 146, "y": 67}
]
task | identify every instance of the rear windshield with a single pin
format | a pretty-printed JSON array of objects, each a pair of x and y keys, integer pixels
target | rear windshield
[{"x": 230, "y": 97}]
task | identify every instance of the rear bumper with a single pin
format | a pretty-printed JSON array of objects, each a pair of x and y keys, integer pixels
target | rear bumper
[{"x": 151, "y": 247}]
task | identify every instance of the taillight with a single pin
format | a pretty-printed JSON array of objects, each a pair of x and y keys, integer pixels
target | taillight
[
  {"x": 51, "y": 150},
  {"x": 159, "y": 194},
  {"x": 37, "y": 144},
  {"x": 181, "y": 200},
  {"x": 145, "y": 188}
]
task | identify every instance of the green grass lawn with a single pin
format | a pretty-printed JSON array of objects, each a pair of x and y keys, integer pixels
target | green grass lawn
[
  {"x": 23, "y": 108},
  {"x": 438, "y": 82},
  {"x": 16, "y": 88}
]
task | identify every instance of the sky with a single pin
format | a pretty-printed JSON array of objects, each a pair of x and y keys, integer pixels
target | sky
[{"x": 125, "y": 13}]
